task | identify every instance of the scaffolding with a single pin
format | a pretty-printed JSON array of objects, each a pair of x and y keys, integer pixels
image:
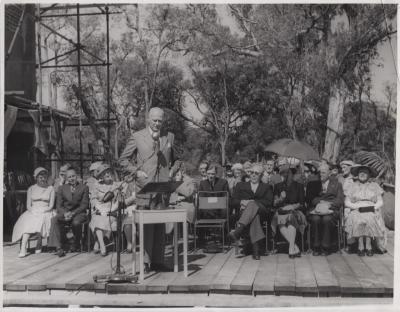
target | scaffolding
[{"x": 47, "y": 12}]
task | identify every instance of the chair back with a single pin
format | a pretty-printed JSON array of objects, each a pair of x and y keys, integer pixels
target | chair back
[{"x": 212, "y": 201}]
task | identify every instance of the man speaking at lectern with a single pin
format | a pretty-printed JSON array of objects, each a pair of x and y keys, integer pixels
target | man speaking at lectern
[{"x": 148, "y": 157}]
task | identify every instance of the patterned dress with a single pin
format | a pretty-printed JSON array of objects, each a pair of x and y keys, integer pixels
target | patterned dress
[
  {"x": 368, "y": 224},
  {"x": 37, "y": 217},
  {"x": 100, "y": 219}
]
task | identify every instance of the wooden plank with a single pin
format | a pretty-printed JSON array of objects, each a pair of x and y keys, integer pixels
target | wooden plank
[
  {"x": 368, "y": 280},
  {"x": 390, "y": 243},
  {"x": 161, "y": 282},
  {"x": 75, "y": 270},
  {"x": 39, "y": 279},
  {"x": 26, "y": 266},
  {"x": 326, "y": 280},
  {"x": 387, "y": 260},
  {"x": 102, "y": 266},
  {"x": 285, "y": 278},
  {"x": 222, "y": 282},
  {"x": 265, "y": 276},
  {"x": 385, "y": 277},
  {"x": 305, "y": 279},
  {"x": 182, "y": 283},
  {"x": 132, "y": 288},
  {"x": 13, "y": 266},
  {"x": 348, "y": 283},
  {"x": 200, "y": 281},
  {"x": 26, "y": 277},
  {"x": 244, "y": 278}
]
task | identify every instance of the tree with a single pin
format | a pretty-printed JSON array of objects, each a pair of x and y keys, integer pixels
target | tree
[{"x": 317, "y": 35}]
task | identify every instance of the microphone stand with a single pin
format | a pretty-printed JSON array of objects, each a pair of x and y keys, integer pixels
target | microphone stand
[{"x": 119, "y": 276}]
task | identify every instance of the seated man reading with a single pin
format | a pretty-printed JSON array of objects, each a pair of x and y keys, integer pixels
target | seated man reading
[
  {"x": 72, "y": 202},
  {"x": 254, "y": 199}
]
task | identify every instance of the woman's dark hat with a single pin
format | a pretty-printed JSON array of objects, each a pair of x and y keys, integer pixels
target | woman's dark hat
[{"x": 356, "y": 169}]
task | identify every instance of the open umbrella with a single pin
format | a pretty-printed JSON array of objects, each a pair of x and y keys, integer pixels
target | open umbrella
[{"x": 292, "y": 148}]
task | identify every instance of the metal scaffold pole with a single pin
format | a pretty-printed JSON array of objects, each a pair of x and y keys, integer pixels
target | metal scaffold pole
[{"x": 78, "y": 29}]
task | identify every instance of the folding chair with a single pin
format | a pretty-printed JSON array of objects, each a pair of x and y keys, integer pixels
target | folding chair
[{"x": 211, "y": 202}]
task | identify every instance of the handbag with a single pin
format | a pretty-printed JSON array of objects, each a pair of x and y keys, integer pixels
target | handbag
[{"x": 366, "y": 209}]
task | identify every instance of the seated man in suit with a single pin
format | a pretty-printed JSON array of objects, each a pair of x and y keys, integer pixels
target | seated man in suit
[
  {"x": 254, "y": 199},
  {"x": 212, "y": 184},
  {"x": 72, "y": 202},
  {"x": 325, "y": 210}
]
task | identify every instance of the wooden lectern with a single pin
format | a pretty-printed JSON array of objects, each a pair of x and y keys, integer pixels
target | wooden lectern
[{"x": 142, "y": 217}]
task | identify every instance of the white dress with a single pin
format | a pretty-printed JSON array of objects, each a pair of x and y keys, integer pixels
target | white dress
[{"x": 37, "y": 217}]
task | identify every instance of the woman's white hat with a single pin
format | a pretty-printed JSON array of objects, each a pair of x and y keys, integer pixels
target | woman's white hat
[{"x": 39, "y": 170}]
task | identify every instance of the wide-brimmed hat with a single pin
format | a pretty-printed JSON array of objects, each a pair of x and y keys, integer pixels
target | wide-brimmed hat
[
  {"x": 356, "y": 169},
  {"x": 347, "y": 163},
  {"x": 94, "y": 166},
  {"x": 101, "y": 169},
  {"x": 38, "y": 170}
]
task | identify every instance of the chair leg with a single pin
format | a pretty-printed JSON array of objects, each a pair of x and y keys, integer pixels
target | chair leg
[
  {"x": 302, "y": 243},
  {"x": 266, "y": 239},
  {"x": 195, "y": 238},
  {"x": 309, "y": 238},
  {"x": 223, "y": 238}
]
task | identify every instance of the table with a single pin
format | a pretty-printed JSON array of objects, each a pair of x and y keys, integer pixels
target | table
[{"x": 142, "y": 217}]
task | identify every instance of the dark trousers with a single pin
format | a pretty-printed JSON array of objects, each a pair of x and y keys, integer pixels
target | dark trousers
[
  {"x": 57, "y": 235},
  {"x": 251, "y": 217},
  {"x": 321, "y": 228}
]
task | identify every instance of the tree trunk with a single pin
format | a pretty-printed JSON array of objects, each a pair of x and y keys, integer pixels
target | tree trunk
[
  {"x": 222, "y": 144},
  {"x": 334, "y": 125}
]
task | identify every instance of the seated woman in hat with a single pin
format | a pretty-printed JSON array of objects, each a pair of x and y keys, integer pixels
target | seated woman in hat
[
  {"x": 364, "y": 221},
  {"x": 102, "y": 222},
  {"x": 289, "y": 201},
  {"x": 36, "y": 220}
]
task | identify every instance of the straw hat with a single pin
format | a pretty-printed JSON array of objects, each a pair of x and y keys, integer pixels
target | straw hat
[
  {"x": 101, "y": 169},
  {"x": 94, "y": 166}
]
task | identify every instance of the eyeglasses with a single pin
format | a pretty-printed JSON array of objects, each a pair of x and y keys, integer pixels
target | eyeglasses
[
  {"x": 307, "y": 171},
  {"x": 254, "y": 172}
]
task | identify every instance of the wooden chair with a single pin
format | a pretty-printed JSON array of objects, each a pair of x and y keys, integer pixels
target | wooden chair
[{"x": 211, "y": 202}]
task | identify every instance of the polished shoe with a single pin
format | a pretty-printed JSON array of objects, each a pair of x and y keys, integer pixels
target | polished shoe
[
  {"x": 370, "y": 253},
  {"x": 256, "y": 251},
  {"x": 75, "y": 248},
  {"x": 235, "y": 234},
  {"x": 316, "y": 253},
  {"x": 104, "y": 254},
  {"x": 324, "y": 252},
  {"x": 159, "y": 267},
  {"x": 60, "y": 252},
  {"x": 361, "y": 253},
  {"x": 292, "y": 256},
  {"x": 22, "y": 254},
  {"x": 146, "y": 269}
]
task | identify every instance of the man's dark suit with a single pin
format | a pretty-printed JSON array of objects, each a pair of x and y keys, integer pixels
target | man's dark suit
[
  {"x": 257, "y": 209},
  {"x": 76, "y": 202},
  {"x": 219, "y": 185},
  {"x": 143, "y": 153},
  {"x": 322, "y": 225}
]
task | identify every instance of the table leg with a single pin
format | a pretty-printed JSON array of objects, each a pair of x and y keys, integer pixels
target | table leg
[
  {"x": 133, "y": 246},
  {"x": 185, "y": 249},
  {"x": 141, "y": 250},
  {"x": 175, "y": 247}
]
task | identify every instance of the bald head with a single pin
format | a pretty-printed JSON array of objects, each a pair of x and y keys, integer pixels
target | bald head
[{"x": 156, "y": 118}]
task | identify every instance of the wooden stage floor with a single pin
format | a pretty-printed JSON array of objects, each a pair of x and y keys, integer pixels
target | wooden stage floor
[{"x": 337, "y": 275}]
